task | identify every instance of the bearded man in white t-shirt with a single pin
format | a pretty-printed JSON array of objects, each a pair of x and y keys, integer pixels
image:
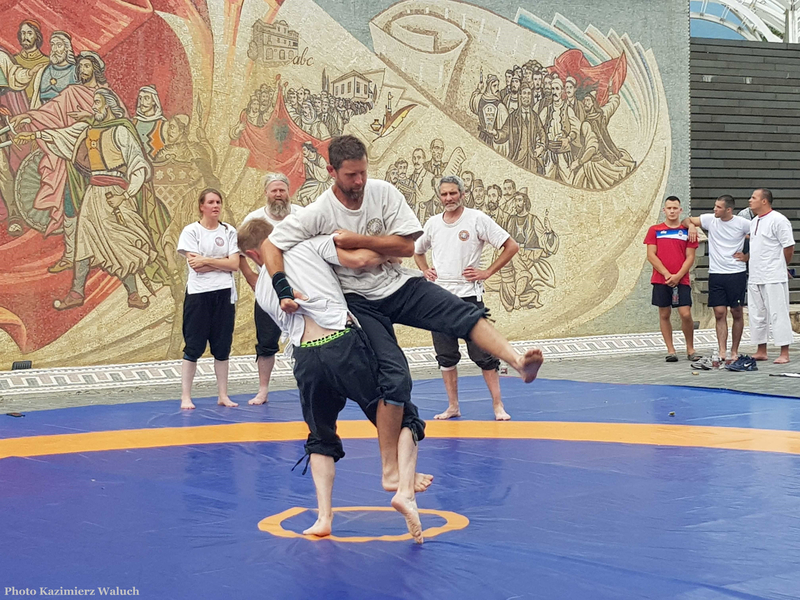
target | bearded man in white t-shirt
[
  {"x": 727, "y": 269},
  {"x": 456, "y": 239},
  {"x": 373, "y": 214},
  {"x": 277, "y": 207},
  {"x": 771, "y": 250}
]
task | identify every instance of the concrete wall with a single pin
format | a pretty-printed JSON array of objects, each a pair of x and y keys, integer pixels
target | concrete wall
[{"x": 228, "y": 77}]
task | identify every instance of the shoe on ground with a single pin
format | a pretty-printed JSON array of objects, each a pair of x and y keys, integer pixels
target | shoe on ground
[
  {"x": 743, "y": 363},
  {"x": 704, "y": 363}
]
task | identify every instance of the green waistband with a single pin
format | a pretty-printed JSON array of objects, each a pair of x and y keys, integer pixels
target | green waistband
[{"x": 325, "y": 340}]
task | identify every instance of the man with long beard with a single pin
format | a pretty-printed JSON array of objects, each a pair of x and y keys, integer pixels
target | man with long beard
[
  {"x": 278, "y": 206},
  {"x": 59, "y": 73}
]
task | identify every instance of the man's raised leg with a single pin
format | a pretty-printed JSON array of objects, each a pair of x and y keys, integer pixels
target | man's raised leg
[
  {"x": 323, "y": 470},
  {"x": 487, "y": 337},
  {"x": 404, "y": 501}
]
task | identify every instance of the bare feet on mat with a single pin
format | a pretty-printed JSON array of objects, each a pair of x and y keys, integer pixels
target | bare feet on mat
[
  {"x": 759, "y": 356},
  {"x": 529, "y": 364},
  {"x": 450, "y": 413},
  {"x": 781, "y": 360},
  {"x": 422, "y": 481},
  {"x": 258, "y": 400},
  {"x": 225, "y": 401},
  {"x": 500, "y": 414},
  {"x": 321, "y": 528},
  {"x": 408, "y": 508},
  {"x": 187, "y": 403}
]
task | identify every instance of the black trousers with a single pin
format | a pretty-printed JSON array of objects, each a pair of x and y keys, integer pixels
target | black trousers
[
  {"x": 208, "y": 318},
  {"x": 327, "y": 376},
  {"x": 267, "y": 333},
  {"x": 419, "y": 303},
  {"x": 448, "y": 354}
]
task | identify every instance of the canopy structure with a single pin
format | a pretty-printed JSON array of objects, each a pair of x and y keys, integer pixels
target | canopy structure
[{"x": 758, "y": 20}]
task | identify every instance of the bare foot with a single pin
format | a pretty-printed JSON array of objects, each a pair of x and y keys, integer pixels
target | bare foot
[
  {"x": 500, "y": 414},
  {"x": 422, "y": 481},
  {"x": 758, "y": 356},
  {"x": 187, "y": 404},
  {"x": 450, "y": 413},
  {"x": 258, "y": 400},
  {"x": 734, "y": 357},
  {"x": 408, "y": 508},
  {"x": 781, "y": 360},
  {"x": 225, "y": 401},
  {"x": 529, "y": 364},
  {"x": 321, "y": 527}
]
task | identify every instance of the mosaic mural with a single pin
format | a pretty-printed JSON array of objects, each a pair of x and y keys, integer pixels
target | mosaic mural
[{"x": 111, "y": 125}]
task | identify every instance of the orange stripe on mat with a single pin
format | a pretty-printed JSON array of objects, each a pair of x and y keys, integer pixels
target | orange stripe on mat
[{"x": 729, "y": 438}]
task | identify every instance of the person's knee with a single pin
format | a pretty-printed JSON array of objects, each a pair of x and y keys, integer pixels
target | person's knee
[
  {"x": 737, "y": 312},
  {"x": 720, "y": 313},
  {"x": 193, "y": 350},
  {"x": 447, "y": 362}
]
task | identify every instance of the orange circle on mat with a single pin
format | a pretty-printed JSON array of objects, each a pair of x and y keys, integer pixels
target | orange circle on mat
[{"x": 274, "y": 524}]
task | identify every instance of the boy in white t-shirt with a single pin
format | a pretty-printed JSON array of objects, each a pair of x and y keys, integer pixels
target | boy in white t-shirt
[
  {"x": 333, "y": 358},
  {"x": 278, "y": 205},
  {"x": 727, "y": 269},
  {"x": 456, "y": 239},
  {"x": 771, "y": 250}
]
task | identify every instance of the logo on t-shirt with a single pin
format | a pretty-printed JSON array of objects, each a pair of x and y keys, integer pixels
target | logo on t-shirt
[
  {"x": 463, "y": 235},
  {"x": 673, "y": 234},
  {"x": 375, "y": 227},
  {"x": 219, "y": 241}
]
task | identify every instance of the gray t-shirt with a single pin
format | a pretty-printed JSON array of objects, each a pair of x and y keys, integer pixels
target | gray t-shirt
[{"x": 384, "y": 211}]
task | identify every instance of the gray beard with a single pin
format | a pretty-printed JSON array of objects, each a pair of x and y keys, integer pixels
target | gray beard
[{"x": 279, "y": 210}]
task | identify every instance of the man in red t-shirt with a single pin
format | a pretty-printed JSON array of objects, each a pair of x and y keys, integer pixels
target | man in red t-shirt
[{"x": 672, "y": 255}]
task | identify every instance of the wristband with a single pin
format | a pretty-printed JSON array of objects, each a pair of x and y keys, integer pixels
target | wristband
[{"x": 282, "y": 287}]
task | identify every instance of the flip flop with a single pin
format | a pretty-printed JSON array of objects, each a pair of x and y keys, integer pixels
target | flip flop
[
  {"x": 694, "y": 356},
  {"x": 671, "y": 358}
]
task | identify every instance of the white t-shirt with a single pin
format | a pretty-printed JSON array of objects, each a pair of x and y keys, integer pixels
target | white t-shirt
[
  {"x": 384, "y": 211},
  {"x": 456, "y": 246},
  {"x": 308, "y": 269},
  {"x": 769, "y": 235},
  {"x": 210, "y": 243},
  {"x": 725, "y": 238},
  {"x": 261, "y": 213}
]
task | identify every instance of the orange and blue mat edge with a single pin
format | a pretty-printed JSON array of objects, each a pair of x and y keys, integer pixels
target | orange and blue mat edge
[{"x": 592, "y": 491}]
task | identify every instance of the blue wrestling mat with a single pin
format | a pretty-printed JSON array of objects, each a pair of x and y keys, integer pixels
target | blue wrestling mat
[{"x": 592, "y": 491}]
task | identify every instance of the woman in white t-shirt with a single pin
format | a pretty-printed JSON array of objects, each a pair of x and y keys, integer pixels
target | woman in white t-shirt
[{"x": 209, "y": 308}]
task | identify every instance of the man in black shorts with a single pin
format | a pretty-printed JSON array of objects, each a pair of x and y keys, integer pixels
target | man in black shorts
[
  {"x": 333, "y": 361},
  {"x": 727, "y": 274},
  {"x": 372, "y": 214},
  {"x": 672, "y": 255}
]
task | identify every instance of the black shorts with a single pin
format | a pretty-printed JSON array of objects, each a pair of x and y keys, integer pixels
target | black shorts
[
  {"x": 421, "y": 304},
  {"x": 727, "y": 289},
  {"x": 208, "y": 318},
  {"x": 267, "y": 333},
  {"x": 448, "y": 353},
  {"x": 662, "y": 295},
  {"x": 329, "y": 374}
]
